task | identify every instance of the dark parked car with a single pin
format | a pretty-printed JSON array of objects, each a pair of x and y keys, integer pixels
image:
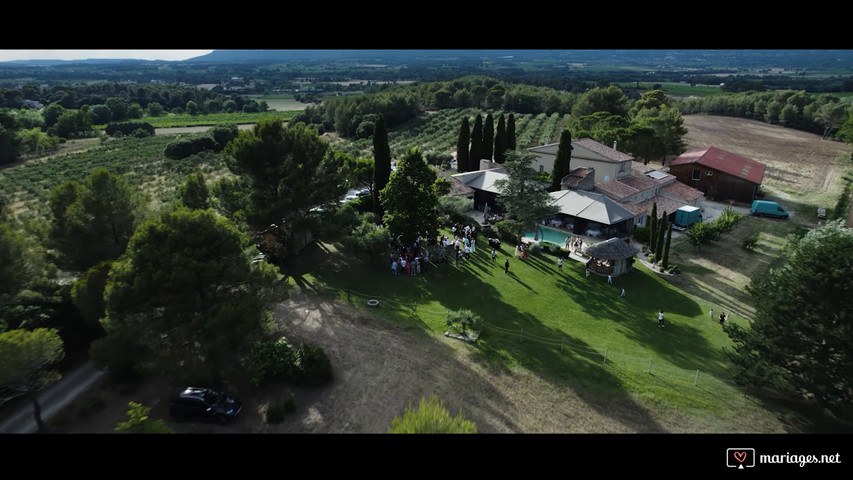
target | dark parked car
[{"x": 204, "y": 403}]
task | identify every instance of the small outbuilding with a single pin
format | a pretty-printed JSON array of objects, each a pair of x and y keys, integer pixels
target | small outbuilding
[{"x": 610, "y": 257}]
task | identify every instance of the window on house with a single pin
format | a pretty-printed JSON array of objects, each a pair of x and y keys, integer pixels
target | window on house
[
  {"x": 541, "y": 168},
  {"x": 697, "y": 174}
]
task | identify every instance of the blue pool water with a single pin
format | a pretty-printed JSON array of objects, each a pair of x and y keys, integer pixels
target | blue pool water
[{"x": 548, "y": 234}]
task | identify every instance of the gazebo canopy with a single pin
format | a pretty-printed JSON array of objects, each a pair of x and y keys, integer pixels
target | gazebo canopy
[{"x": 612, "y": 249}]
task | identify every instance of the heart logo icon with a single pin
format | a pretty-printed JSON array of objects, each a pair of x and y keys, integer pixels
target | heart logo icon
[{"x": 740, "y": 456}]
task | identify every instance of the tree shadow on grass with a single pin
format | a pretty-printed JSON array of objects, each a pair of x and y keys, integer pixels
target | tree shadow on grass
[
  {"x": 540, "y": 348},
  {"x": 681, "y": 341},
  {"x": 578, "y": 366}
]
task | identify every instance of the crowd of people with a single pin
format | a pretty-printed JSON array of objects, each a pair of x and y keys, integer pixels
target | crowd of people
[{"x": 416, "y": 259}]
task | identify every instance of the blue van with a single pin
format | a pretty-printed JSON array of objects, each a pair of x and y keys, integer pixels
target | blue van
[{"x": 765, "y": 208}]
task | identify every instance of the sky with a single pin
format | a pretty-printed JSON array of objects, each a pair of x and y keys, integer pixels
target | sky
[{"x": 9, "y": 55}]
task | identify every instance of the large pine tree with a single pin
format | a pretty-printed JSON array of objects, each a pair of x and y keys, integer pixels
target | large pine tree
[
  {"x": 488, "y": 137},
  {"x": 562, "y": 165},
  {"x": 500, "y": 140},
  {"x": 381, "y": 161},
  {"x": 462, "y": 146},
  {"x": 799, "y": 338},
  {"x": 476, "y": 144}
]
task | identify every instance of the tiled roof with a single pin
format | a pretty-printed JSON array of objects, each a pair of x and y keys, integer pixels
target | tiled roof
[
  {"x": 639, "y": 183},
  {"x": 615, "y": 189},
  {"x": 682, "y": 191},
  {"x": 665, "y": 204},
  {"x": 638, "y": 169},
  {"x": 730, "y": 163},
  {"x": 602, "y": 150},
  {"x": 457, "y": 188}
]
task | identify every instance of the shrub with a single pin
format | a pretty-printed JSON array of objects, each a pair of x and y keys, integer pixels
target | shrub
[
  {"x": 750, "y": 241},
  {"x": 535, "y": 248},
  {"x": 456, "y": 207},
  {"x": 651, "y": 258},
  {"x": 279, "y": 360},
  {"x": 271, "y": 360},
  {"x": 642, "y": 234},
  {"x": 289, "y": 406},
  {"x": 508, "y": 230},
  {"x": 184, "y": 147},
  {"x": 275, "y": 413},
  {"x": 726, "y": 221},
  {"x": 138, "y": 421},
  {"x": 313, "y": 365},
  {"x": 431, "y": 417},
  {"x": 128, "y": 128},
  {"x": 464, "y": 320}
]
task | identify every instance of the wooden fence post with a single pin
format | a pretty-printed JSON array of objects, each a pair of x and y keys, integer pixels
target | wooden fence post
[
  {"x": 605, "y": 355},
  {"x": 650, "y": 366},
  {"x": 696, "y": 379}
]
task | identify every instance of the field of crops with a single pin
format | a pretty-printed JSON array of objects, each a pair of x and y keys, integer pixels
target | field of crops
[
  {"x": 140, "y": 160},
  {"x": 439, "y": 132},
  {"x": 214, "y": 119}
]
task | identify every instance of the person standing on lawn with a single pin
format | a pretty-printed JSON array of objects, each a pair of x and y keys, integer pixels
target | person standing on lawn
[{"x": 506, "y": 267}]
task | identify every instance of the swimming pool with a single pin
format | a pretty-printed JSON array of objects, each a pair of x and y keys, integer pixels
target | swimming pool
[{"x": 552, "y": 235}]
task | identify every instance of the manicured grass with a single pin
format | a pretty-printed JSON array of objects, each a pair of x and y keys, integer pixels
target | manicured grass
[{"x": 559, "y": 324}]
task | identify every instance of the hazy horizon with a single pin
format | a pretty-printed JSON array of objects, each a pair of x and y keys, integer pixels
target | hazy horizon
[{"x": 12, "y": 55}]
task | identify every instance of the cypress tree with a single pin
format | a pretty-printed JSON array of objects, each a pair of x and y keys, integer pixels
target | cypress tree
[
  {"x": 510, "y": 132},
  {"x": 476, "y": 144},
  {"x": 562, "y": 161},
  {"x": 653, "y": 227},
  {"x": 500, "y": 140},
  {"x": 488, "y": 137},
  {"x": 665, "y": 264},
  {"x": 462, "y": 145},
  {"x": 660, "y": 238},
  {"x": 381, "y": 161}
]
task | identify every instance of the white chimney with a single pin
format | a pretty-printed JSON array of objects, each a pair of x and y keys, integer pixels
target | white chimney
[{"x": 614, "y": 144}]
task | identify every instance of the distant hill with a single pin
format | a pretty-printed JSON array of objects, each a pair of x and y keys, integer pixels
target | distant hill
[
  {"x": 254, "y": 56},
  {"x": 795, "y": 59}
]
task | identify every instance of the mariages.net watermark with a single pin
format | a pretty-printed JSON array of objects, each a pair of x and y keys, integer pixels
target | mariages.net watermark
[{"x": 746, "y": 458}]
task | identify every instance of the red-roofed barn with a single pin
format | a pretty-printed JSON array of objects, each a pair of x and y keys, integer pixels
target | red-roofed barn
[{"x": 719, "y": 174}]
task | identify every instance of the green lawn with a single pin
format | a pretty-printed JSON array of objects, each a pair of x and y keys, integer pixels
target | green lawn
[{"x": 558, "y": 324}]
